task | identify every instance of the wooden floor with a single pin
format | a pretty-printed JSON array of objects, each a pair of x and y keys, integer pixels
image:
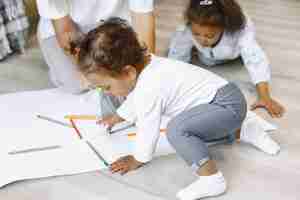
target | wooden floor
[{"x": 250, "y": 173}]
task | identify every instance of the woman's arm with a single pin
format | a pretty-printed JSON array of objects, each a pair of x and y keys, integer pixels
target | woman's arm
[
  {"x": 58, "y": 12},
  {"x": 143, "y": 21},
  {"x": 144, "y": 25},
  {"x": 66, "y": 31}
]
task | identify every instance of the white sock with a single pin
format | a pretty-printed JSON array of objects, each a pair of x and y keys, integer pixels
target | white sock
[
  {"x": 253, "y": 133},
  {"x": 205, "y": 186}
]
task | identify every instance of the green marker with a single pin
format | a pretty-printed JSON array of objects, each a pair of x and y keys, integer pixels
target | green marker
[{"x": 97, "y": 154}]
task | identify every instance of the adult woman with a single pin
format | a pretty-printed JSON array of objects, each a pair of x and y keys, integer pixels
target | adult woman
[{"x": 64, "y": 20}]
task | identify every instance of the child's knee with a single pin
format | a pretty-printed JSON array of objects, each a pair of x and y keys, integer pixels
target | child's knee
[{"x": 174, "y": 132}]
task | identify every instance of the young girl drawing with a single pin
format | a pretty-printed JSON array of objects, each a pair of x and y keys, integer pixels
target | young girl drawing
[
  {"x": 220, "y": 32},
  {"x": 203, "y": 107}
]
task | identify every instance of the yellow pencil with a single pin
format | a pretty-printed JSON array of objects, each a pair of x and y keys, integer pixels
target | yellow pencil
[{"x": 81, "y": 117}]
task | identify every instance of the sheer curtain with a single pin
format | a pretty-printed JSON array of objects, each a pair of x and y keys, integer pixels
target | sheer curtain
[{"x": 13, "y": 27}]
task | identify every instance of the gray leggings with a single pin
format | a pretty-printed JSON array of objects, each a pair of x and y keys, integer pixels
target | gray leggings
[{"x": 189, "y": 131}]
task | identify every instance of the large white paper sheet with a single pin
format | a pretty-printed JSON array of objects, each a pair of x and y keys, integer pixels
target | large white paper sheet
[{"x": 20, "y": 130}]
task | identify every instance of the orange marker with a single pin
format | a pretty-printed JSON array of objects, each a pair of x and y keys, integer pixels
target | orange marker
[{"x": 133, "y": 135}]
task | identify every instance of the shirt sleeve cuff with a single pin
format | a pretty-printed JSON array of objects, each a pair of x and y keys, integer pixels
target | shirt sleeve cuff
[
  {"x": 142, "y": 6},
  {"x": 54, "y": 16},
  {"x": 126, "y": 115},
  {"x": 262, "y": 79},
  {"x": 59, "y": 15},
  {"x": 142, "y": 157},
  {"x": 52, "y": 10}
]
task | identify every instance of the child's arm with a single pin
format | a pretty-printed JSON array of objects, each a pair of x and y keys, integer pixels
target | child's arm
[
  {"x": 125, "y": 112},
  {"x": 259, "y": 70},
  {"x": 127, "y": 109},
  {"x": 110, "y": 120},
  {"x": 149, "y": 109},
  {"x": 181, "y": 45},
  {"x": 125, "y": 164}
]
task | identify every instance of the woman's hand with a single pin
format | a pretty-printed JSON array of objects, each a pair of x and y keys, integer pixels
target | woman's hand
[
  {"x": 66, "y": 31},
  {"x": 274, "y": 108},
  {"x": 110, "y": 120},
  {"x": 125, "y": 164}
]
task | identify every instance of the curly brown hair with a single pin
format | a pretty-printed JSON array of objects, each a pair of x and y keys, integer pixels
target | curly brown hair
[
  {"x": 224, "y": 13},
  {"x": 112, "y": 45}
]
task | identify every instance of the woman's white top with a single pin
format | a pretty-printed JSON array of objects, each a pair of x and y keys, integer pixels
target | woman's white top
[{"x": 87, "y": 13}]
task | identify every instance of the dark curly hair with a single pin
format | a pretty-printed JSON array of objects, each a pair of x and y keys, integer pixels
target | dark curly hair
[
  {"x": 224, "y": 13},
  {"x": 112, "y": 45}
]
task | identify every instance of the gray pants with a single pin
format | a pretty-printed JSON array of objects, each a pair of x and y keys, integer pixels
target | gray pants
[
  {"x": 189, "y": 131},
  {"x": 62, "y": 71}
]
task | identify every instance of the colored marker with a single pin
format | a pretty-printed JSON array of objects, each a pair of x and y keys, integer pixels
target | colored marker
[
  {"x": 81, "y": 117},
  {"x": 89, "y": 144},
  {"x": 133, "y": 135},
  {"x": 54, "y": 121},
  {"x": 121, "y": 129},
  {"x": 34, "y": 150},
  {"x": 97, "y": 153},
  {"x": 76, "y": 129}
]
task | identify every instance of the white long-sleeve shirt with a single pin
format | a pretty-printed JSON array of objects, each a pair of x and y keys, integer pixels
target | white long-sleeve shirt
[
  {"x": 230, "y": 47},
  {"x": 165, "y": 88},
  {"x": 87, "y": 13}
]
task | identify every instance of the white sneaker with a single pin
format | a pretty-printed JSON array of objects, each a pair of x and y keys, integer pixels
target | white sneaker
[
  {"x": 205, "y": 186},
  {"x": 254, "y": 134}
]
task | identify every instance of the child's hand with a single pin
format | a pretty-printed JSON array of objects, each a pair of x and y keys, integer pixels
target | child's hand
[
  {"x": 125, "y": 164},
  {"x": 110, "y": 120},
  {"x": 274, "y": 108}
]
